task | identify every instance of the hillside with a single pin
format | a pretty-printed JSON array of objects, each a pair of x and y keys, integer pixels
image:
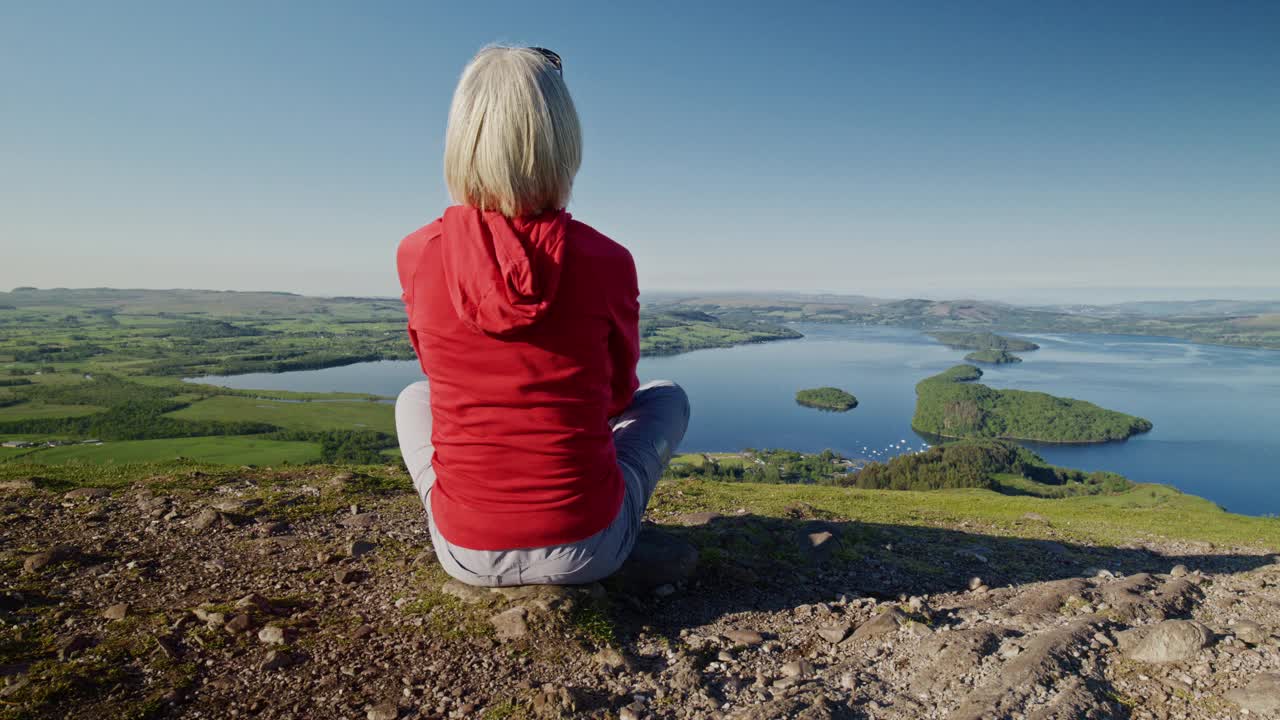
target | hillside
[
  {"x": 951, "y": 405},
  {"x": 212, "y": 591},
  {"x": 1245, "y": 325},
  {"x": 996, "y": 465},
  {"x": 184, "y": 333},
  {"x": 95, "y": 375}
]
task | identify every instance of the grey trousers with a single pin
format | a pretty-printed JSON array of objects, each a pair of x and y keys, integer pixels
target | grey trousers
[{"x": 645, "y": 436}]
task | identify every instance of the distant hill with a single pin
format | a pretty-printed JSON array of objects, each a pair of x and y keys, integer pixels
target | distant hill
[
  {"x": 1174, "y": 309},
  {"x": 1246, "y": 324}
]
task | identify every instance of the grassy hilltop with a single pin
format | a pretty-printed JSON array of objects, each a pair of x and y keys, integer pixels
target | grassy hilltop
[{"x": 182, "y": 590}]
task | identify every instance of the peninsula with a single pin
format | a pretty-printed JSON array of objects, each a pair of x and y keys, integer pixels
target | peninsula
[
  {"x": 993, "y": 357},
  {"x": 983, "y": 341},
  {"x": 950, "y": 406}
]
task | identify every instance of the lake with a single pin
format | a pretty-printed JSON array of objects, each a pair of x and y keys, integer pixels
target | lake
[{"x": 1216, "y": 410}]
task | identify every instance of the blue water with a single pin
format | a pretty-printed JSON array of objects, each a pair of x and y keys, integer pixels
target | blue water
[{"x": 1216, "y": 410}]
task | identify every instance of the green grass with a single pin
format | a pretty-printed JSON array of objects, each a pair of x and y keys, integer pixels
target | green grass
[
  {"x": 698, "y": 460},
  {"x": 337, "y": 415},
  {"x": 217, "y": 449},
  {"x": 41, "y": 409},
  {"x": 1146, "y": 511},
  {"x": 1011, "y": 484},
  {"x": 10, "y": 453}
]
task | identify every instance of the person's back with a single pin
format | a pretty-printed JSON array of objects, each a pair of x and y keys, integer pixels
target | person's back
[
  {"x": 524, "y": 451},
  {"x": 530, "y": 444}
]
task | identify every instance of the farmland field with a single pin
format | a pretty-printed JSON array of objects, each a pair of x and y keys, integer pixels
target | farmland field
[
  {"x": 217, "y": 449},
  {"x": 310, "y": 415}
]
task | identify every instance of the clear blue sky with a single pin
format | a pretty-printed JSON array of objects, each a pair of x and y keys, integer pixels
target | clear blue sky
[{"x": 954, "y": 147}]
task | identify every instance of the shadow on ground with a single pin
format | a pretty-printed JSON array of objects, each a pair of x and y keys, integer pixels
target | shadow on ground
[{"x": 767, "y": 564}]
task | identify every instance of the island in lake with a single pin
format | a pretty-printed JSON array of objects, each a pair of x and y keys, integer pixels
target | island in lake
[
  {"x": 993, "y": 357},
  {"x": 983, "y": 341},
  {"x": 827, "y": 398},
  {"x": 950, "y": 405}
]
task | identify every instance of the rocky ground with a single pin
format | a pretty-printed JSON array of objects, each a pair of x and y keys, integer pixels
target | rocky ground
[{"x": 315, "y": 594}]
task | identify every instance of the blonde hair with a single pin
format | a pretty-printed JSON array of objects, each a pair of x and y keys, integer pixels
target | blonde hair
[{"x": 513, "y": 143}]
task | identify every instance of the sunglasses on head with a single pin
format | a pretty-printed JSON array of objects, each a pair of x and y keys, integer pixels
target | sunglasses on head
[{"x": 551, "y": 57}]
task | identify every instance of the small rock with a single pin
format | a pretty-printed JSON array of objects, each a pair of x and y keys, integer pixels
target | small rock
[
  {"x": 207, "y": 519},
  {"x": 116, "y": 612},
  {"x": 821, "y": 541},
  {"x": 363, "y": 632},
  {"x": 240, "y": 623},
  {"x": 611, "y": 658},
  {"x": 231, "y": 505},
  {"x": 975, "y": 582},
  {"x": 348, "y": 576},
  {"x": 1171, "y": 641},
  {"x": 797, "y": 669},
  {"x": 212, "y": 619},
  {"x": 697, "y": 518},
  {"x": 255, "y": 601},
  {"x": 87, "y": 493},
  {"x": 360, "y": 547},
  {"x": 511, "y": 624},
  {"x": 362, "y": 520},
  {"x": 849, "y": 681},
  {"x": 71, "y": 646},
  {"x": 833, "y": 633},
  {"x": 626, "y": 713},
  {"x": 1178, "y": 571},
  {"x": 1261, "y": 695},
  {"x": 1250, "y": 632},
  {"x": 744, "y": 637},
  {"x": 273, "y": 635},
  {"x": 664, "y": 590},
  {"x": 41, "y": 560},
  {"x": 271, "y": 529},
  {"x": 277, "y": 660},
  {"x": 384, "y": 711},
  {"x": 885, "y": 623},
  {"x": 469, "y": 594}
]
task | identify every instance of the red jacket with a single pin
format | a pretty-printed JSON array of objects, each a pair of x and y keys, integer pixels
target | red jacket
[{"x": 528, "y": 330}]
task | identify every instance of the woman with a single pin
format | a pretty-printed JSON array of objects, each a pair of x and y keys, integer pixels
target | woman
[{"x": 530, "y": 445}]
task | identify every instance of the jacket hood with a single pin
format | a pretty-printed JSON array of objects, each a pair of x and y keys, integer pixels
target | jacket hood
[{"x": 502, "y": 273}]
